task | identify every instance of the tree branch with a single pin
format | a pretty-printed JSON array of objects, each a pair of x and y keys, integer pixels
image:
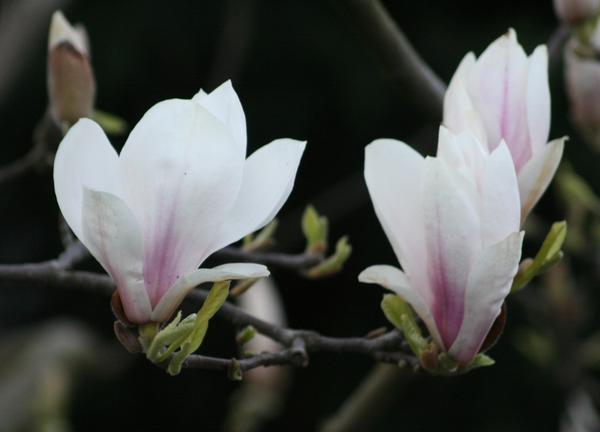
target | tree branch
[
  {"x": 399, "y": 58},
  {"x": 296, "y": 262},
  {"x": 390, "y": 347}
]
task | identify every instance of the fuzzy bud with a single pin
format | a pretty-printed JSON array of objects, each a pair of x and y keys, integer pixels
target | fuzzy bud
[
  {"x": 573, "y": 12},
  {"x": 71, "y": 84}
]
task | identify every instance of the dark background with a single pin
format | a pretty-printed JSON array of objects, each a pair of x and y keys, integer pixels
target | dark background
[{"x": 305, "y": 72}]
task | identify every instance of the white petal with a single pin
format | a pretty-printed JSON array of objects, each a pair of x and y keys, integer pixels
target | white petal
[
  {"x": 182, "y": 171},
  {"x": 538, "y": 99},
  {"x": 463, "y": 151},
  {"x": 536, "y": 175},
  {"x": 459, "y": 112},
  {"x": 224, "y": 104},
  {"x": 395, "y": 280},
  {"x": 453, "y": 239},
  {"x": 501, "y": 209},
  {"x": 112, "y": 235},
  {"x": 61, "y": 31},
  {"x": 498, "y": 90},
  {"x": 489, "y": 284},
  {"x": 268, "y": 179},
  {"x": 393, "y": 172},
  {"x": 84, "y": 158},
  {"x": 185, "y": 284}
]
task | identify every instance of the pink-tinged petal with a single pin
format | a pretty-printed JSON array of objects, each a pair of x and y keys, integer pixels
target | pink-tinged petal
[
  {"x": 489, "y": 284},
  {"x": 175, "y": 295},
  {"x": 393, "y": 172},
  {"x": 538, "y": 99},
  {"x": 501, "y": 206},
  {"x": 181, "y": 171},
  {"x": 459, "y": 111},
  {"x": 395, "y": 280},
  {"x": 84, "y": 158},
  {"x": 498, "y": 89},
  {"x": 452, "y": 236},
  {"x": 112, "y": 235},
  {"x": 463, "y": 151},
  {"x": 224, "y": 104},
  {"x": 536, "y": 175},
  {"x": 268, "y": 179}
]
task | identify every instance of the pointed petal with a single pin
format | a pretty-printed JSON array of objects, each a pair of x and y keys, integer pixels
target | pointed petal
[
  {"x": 268, "y": 179},
  {"x": 395, "y": 280},
  {"x": 175, "y": 295},
  {"x": 538, "y": 99},
  {"x": 224, "y": 104},
  {"x": 498, "y": 90},
  {"x": 501, "y": 206},
  {"x": 84, "y": 158},
  {"x": 453, "y": 239},
  {"x": 112, "y": 235},
  {"x": 459, "y": 112},
  {"x": 182, "y": 171},
  {"x": 463, "y": 151},
  {"x": 489, "y": 284},
  {"x": 393, "y": 172},
  {"x": 536, "y": 175}
]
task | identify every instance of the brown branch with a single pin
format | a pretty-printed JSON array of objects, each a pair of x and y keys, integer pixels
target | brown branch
[
  {"x": 401, "y": 61},
  {"x": 296, "y": 262},
  {"x": 40, "y": 157},
  {"x": 389, "y": 347}
]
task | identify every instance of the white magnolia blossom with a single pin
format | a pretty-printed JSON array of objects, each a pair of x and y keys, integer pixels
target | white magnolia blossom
[
  {"x": 504, "y": 95},
  {"x": 180, "y": 189},
  {"x": 453, "y": 222}
]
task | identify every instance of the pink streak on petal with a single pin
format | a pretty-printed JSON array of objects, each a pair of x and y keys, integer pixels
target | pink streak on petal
[
  {"x": 513, "y": 130},
  {"x": 162, "y": 249},
  {"x": 448, "y": 300}
]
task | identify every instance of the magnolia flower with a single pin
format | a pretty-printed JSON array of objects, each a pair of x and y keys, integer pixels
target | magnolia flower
[
  {"x": 71, "y": 84},
  {"x": 504, "y": 95},
  {"x": 453, "y": 222},
  {"x": 180, "y": 190}
]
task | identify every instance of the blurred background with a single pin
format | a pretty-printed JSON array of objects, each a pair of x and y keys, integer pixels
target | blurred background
[{"x": 302, "y": 70}]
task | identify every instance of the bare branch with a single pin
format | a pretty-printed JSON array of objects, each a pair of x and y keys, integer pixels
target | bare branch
[
  {"x": 389, "y": 347},
  {"x": 297, "y": 262},
  {"x": 400, "y": 59}
]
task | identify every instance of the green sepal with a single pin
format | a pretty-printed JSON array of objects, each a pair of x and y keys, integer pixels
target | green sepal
[
  {"x": 334, "y": 263},
  {"x": 235, "y": 371},
  {"x": 401, "y": 315},
  {"x": 245, "y": 335},
  {"x": 110, "y": 123},
  {"x": 315, "y": 229},
  {"x": 480, "y": 360},
  {"x": 262, "y": 240},
  {"x": 548, "y": 255}
]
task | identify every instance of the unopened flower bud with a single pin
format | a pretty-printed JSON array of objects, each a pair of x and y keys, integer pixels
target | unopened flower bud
[
  {"x": 71, "y": 84},
  {"x": 582, "y": 75},
  {"x": 573, "y": 12}
]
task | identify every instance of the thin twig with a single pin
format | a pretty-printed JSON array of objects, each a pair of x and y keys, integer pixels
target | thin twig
[
  {"x": 389, "y": 347},
  {"x": 401, "y": 61},
  {"x": 22, "y": 166},
  {"x": 297, "y": 262},
  {"x": 39, "y": 157}
]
